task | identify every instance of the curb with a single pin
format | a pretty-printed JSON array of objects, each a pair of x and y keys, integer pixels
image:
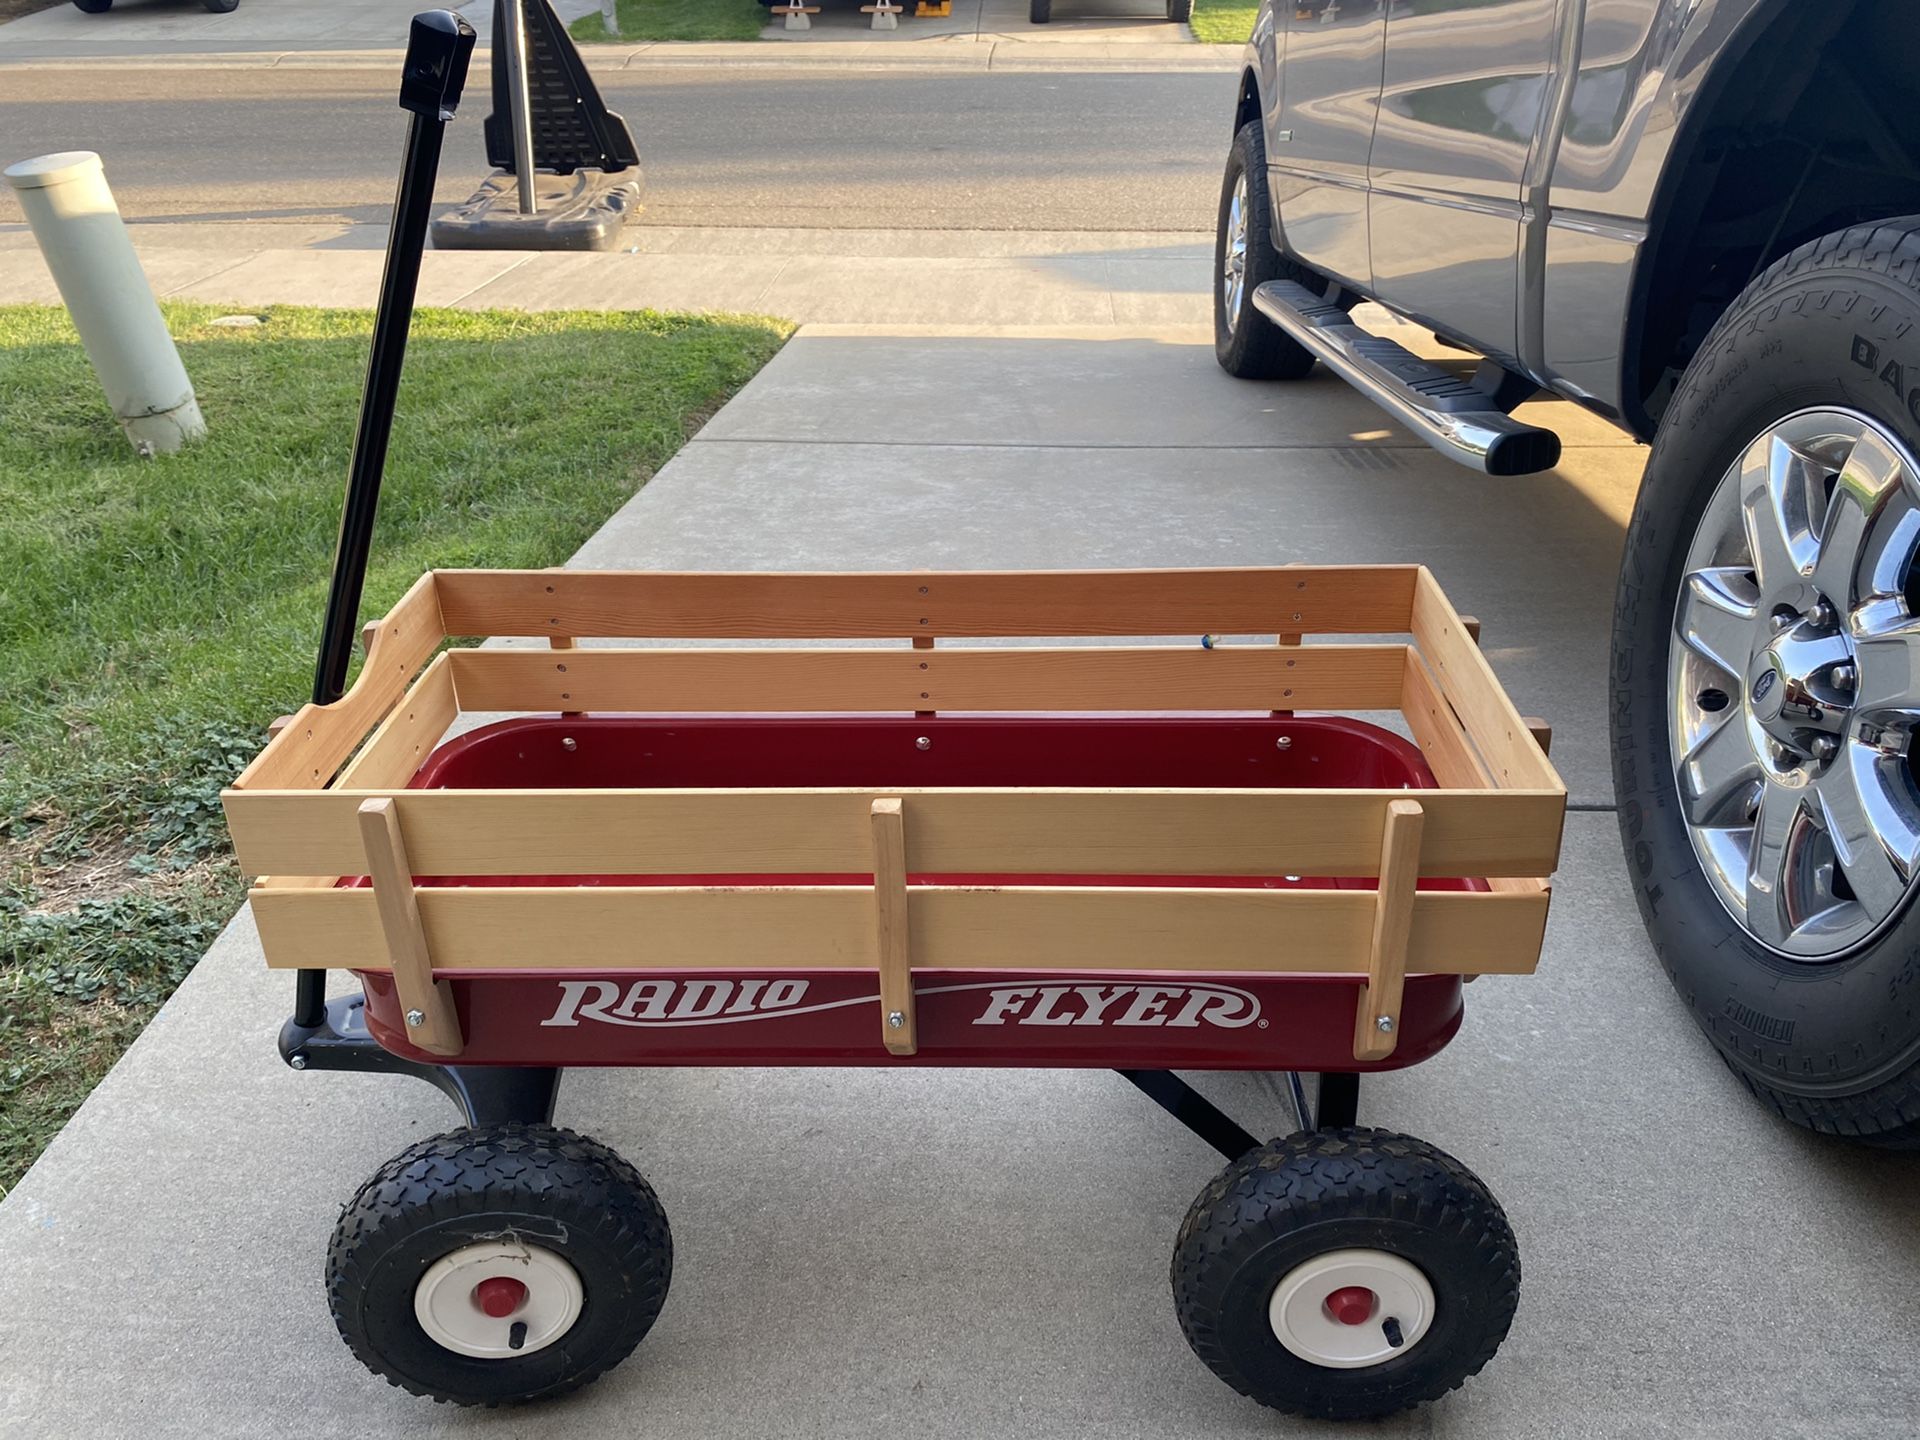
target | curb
[{"x": 962, "y": 55}]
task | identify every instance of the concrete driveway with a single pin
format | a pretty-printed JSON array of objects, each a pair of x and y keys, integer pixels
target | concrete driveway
[{"x": 866, "y": 1253}]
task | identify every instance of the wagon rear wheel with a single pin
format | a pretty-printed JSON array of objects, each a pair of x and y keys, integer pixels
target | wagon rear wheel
[
  {"x": 1345, "y": 1274},
  {"x": 508, "y": 1263}
]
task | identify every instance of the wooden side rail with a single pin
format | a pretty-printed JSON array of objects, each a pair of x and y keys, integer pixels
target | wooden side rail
[
  {"x": 1006, "y": 677},
  {"x": 473, "y": 929},
  {"x": 1472, "y": 833},
  {"x": 1314, "y": 599},
  {"x": 319, "y": 738}
]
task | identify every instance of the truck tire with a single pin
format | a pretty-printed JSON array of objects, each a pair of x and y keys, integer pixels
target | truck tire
[
  {"x": 1039, "y": 12},
  {"x": 93, "y": 7},
  {"x": 1766, "y": 686},
  {"x": 1247, "y": 344},
  {"x": 1180, "y": 11}
]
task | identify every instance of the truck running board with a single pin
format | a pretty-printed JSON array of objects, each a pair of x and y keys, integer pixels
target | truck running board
[{"x": 1465, "y": 420}]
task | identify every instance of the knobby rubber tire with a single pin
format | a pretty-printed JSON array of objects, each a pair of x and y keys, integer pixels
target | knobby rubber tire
[
  {"x": 1833, "y": 1045},
  {"x": 547, "y": 1186},
  {"x": 1039, "y": 12},
  {"x": 1286, "y": 1202}
]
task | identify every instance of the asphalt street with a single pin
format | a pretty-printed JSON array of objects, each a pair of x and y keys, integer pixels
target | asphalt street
[{"x": 756, "y": 148}]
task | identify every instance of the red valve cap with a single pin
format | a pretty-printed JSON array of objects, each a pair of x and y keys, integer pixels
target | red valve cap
[
  {"x": 1350, "y": 1306},
  {"x": 502, "y": 1295}
]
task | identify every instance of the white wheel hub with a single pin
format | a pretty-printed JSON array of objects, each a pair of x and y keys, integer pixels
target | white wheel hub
[
  {"x": 1346, "y": 1309},
  {"x": 483, "y": 1298}
]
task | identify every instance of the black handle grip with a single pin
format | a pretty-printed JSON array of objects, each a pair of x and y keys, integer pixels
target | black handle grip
[{"x": 438, "y": 48}]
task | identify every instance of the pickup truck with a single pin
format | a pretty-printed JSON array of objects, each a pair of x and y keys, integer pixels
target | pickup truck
[{"x": 1699, "y": 219}]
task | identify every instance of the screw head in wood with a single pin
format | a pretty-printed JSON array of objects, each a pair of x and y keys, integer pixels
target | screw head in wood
[
  {"x": 415, "y": 1019},
  {"x": 896, "y": 1020},
  {"x": 1384, "y": 1024}
]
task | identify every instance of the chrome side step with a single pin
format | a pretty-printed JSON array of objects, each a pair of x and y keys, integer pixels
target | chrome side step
[{"x": 1464, "y": 420}]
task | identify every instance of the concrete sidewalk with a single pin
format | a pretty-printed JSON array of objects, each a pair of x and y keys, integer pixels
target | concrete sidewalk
[
  {"x": 842, "y": 276},
  {"x": 972, "y": 1253}
]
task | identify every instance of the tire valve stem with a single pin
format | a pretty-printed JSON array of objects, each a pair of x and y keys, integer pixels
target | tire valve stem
[
  {"x": 517, "y": 1336},
  {"x": 1390, "y": 1327}
]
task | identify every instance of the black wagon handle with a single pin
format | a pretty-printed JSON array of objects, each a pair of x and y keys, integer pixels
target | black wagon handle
[
  {"x": 438, "y": 48},
  {"x": 439, "y": 45}
]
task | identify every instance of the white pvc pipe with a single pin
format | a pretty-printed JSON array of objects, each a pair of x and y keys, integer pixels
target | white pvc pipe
[{"x": 73, "y": 217}]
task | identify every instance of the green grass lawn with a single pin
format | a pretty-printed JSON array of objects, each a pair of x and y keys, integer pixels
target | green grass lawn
[
  {"x": 156, "y": 615},
  {"x": 1223, "y": 22},
  {"x": 677, "y": 20}
]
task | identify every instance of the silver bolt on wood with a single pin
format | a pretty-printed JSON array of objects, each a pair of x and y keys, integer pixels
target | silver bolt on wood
[
  {"x": 416, "y": 1018},
  {"x": 896, "y": 1020}
]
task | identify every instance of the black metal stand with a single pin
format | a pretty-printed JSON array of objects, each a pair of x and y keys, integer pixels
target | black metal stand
[
  {"x": 567, "y": 173},
  {"x": 1339, "y": 1101}
]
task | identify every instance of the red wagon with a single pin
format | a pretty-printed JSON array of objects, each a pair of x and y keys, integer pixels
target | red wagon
[{"x": 895, "y": 845}]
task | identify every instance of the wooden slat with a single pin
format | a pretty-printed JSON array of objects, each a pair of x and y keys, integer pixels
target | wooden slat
[
  {"x": 592, "y": 928},
  {"x": 891, "y": 927},
  {"x": 408, "y": 734},
  {"x": 1392, "y": 924},
  {"x": 1468, "y": 683},
  {"x": 1086, "y": 677},
  {"x": 1357, "y": 600},
  {"x": 1438, "y": 731},
  {"x": 955, "y": 831},
  {"x": 427, "y": 1004},
  {"x": 305, "y": 754}
]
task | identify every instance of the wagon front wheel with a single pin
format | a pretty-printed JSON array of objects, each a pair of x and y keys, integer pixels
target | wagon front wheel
[
  {"x": 500, "y": 1264},
  {"x": 1346, "y": 1274}
]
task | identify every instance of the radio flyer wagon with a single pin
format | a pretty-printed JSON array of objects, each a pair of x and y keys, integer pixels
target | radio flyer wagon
[{"x": 896, "y": 847}]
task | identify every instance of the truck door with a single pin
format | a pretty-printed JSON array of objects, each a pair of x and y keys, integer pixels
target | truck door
[
  {"x": 1317, "y": 158},
  {"x": 1462, "y": 93}
]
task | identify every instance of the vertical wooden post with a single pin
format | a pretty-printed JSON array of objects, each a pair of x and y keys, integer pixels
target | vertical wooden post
[
  {"x": 1377, "y": 1016},
  {"x": 438, "y": 1030},
  {"x": 890, "y": 916}
]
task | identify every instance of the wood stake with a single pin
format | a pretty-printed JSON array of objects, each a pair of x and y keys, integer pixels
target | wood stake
[
  {"x": 890, "y": 912},
  {"x": 438, "y": 1032},
  {"x": 1392, "y": 922}
]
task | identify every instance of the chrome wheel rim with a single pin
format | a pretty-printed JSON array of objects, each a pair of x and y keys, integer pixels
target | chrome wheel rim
[
  {"x": 1793, "y": 685},
  {"x": 1233, "y": 260}
]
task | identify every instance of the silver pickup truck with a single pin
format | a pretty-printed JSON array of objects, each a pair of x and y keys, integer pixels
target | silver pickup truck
[{"x": 1701, "y": 220}]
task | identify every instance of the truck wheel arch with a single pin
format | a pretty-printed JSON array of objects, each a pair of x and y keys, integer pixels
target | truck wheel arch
[{"x": 1751, "y": 176}]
